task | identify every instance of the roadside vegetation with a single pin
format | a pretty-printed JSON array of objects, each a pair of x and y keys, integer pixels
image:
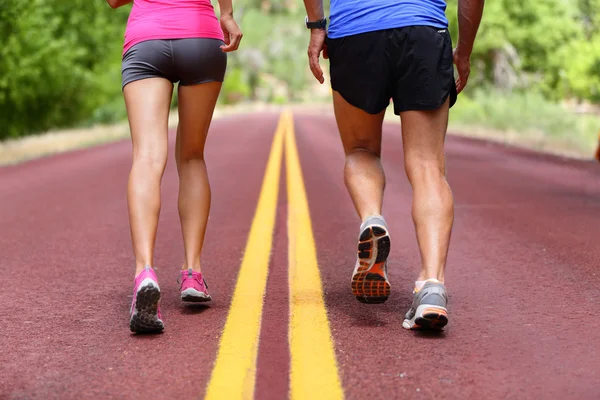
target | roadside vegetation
[{"x": 535, "y": 65}]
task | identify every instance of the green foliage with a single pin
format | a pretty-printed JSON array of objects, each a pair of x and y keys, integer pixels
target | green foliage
[
  {"x": 60, "y": 60},
  {"x": 274, "y": 45},
  {"x": 581, "y": 73},
  {"x": 57, "y": 62},
  {"x": 511, "y": 111},
  {"x": 235, "y": 87},
  {"x": 544, "y": 45},
  {"x": 524, "y": 112}
]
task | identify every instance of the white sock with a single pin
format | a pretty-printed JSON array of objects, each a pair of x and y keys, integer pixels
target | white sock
[{"x": 419, "y": 284}]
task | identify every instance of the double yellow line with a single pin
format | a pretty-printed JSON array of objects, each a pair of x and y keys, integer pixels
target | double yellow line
[{"x": 313, "y": 367}]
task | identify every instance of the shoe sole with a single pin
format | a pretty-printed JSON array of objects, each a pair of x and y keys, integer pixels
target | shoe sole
[
  {"x": 369, "y": 283},
  {"x": 427, "y": 317},
  {"x": 144, "y": 318},
  {"x": 195, "y": 296}
]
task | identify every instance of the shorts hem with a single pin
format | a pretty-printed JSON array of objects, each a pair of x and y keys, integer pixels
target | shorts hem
[
  {"x": 426, "y": 107},
  {"x": 419, "y": 107},
  {"x": 201, "y": 81},
  {"x": 131, "y": 80},
  {"x": 368, "y": 110}
]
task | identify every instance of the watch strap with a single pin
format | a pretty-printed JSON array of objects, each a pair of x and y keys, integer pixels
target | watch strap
[{"x": 320, "y": 24}]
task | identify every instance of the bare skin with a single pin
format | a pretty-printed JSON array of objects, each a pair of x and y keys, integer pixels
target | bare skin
[
  {"x": 361, "y": 138},
  {"x": 118, "y": 3},
  {"x": 147, "y": 103},
  {"x": 597, "y": 155},
  {"x": 423, "y": 136},
  {"x": 194, "y": 188}
]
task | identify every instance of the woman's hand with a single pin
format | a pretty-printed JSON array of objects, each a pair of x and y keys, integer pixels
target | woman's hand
[
  {"x": 118, "y": 3},
  {"x": 232, "y": 32}
]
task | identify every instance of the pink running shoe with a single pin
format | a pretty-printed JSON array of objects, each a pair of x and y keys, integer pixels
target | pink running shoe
[
  {"x": 145, "y": 308},
  {"x": 193, "y": 287}
]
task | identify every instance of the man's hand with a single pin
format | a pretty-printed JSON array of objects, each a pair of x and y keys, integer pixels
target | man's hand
[
  {"x": 231, "y": 32},
  {"x": 463, "y": 67},
  {"x": 316, "y": 45}
]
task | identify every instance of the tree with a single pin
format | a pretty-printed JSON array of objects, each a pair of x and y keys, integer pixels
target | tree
[{"x": 55, "y": 61}]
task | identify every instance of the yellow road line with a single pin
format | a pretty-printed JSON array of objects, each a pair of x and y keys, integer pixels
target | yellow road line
[
  {"x": 234, "y": 373},
  {"x": 313, "y": 367}
]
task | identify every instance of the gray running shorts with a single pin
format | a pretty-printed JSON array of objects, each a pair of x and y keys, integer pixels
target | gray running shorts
[{"x": 187, "y": 61}]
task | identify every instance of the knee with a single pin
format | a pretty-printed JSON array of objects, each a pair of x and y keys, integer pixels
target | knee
[
  {"x": 190, "y": 154},
  {"x": 152, "y": 159},
  {"x": 357, "y": 156},
  {"x": 424, "y": 170},
  {"x": 366, "y": 148},
  {"x": 362, "y": 160}
]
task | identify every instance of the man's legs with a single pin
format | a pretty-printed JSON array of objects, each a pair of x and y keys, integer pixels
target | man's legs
[
  {"x": 364, "y": 177},
  {"x": 363, "y": 174},
  {"x": 423, "y": 134}
]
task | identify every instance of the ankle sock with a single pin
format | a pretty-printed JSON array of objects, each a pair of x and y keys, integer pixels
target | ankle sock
[{"x": 419, "y": 284}]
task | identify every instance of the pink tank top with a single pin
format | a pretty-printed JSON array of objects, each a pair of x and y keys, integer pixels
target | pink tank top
[{"x": 171, "y": 19}]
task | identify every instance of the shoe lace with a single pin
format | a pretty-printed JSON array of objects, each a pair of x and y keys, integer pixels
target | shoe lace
[{"x": 180, "y": 282}]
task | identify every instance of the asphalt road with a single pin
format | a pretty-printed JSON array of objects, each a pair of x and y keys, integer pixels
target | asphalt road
[{"x": 523, "y": 277}]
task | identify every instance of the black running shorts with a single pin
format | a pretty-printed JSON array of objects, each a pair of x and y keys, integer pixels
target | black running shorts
[
  {"x": 413, "y": 66},
  {"x": 187, "y": 61}
]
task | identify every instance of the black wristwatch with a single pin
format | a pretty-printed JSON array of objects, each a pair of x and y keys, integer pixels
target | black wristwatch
[{"x": 320, "y": 24}]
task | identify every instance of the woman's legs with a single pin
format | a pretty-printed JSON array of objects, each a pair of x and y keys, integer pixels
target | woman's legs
[
  {"x": 147, "y": 103},
  {"x": 196, "y": 106}
]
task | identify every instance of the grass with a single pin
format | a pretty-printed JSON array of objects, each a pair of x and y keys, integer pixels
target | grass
[
  {"x": 15, "y": 151},
  {"x": 526, "y": 120},
  {"x": 520, "y": 119}
]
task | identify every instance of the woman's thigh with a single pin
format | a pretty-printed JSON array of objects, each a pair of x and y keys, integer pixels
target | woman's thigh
[{"x": 147, "y": 101}]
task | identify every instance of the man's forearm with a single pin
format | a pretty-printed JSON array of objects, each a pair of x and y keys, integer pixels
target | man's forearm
[
  {"x": 469, "y": 17},
  {"x": 314, "y": 9}
]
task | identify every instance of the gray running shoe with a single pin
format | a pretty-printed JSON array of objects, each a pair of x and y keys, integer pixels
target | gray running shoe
[
  {"x": 428, "y": 309},
  {"x": 369, "y": 279}
]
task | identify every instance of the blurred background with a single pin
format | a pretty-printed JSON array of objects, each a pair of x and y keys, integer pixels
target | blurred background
[{"x": 535, "y": 69}]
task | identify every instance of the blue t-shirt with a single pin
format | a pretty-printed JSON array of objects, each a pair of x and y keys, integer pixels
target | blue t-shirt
[{"x": 351, "y": 17}]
